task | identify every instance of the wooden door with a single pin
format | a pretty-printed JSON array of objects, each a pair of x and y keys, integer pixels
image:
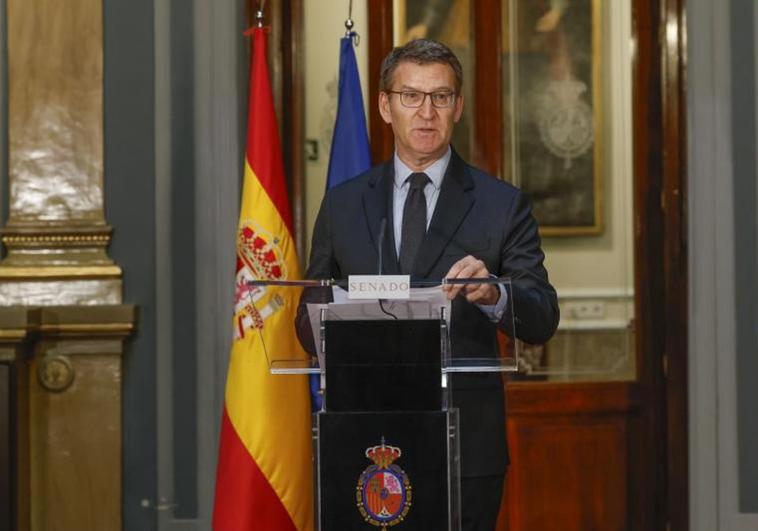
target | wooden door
[{"x": 608, "y": 450}]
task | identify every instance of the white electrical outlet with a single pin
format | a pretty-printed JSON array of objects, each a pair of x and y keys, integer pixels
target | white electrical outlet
[{"x": 585, "y": 310}]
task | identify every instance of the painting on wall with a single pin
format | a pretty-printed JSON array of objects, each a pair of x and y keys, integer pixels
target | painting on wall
[
  {"x": 448, "y": 21},
  {"x": 551, "y": 57},
  {"x": 551, "y": 61}
]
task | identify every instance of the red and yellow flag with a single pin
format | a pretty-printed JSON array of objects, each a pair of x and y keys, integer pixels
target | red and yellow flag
[{"x": 264, "y": 475}]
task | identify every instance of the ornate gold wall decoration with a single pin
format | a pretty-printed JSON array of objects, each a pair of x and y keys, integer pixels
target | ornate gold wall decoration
[
  {"x": 67, "y": 404},
  {"x": 55, "y": 373}
]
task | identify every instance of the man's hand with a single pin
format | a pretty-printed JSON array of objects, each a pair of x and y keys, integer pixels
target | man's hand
[{"x": 470, "y": 267}]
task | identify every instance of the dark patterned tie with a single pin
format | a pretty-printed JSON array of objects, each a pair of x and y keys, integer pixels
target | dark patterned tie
[{"x": 414, "y": 221}]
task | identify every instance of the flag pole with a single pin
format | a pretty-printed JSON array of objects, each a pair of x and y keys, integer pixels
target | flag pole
[
  {"x": 259, "y": 14},
  {"x": 349, "y": 22}
]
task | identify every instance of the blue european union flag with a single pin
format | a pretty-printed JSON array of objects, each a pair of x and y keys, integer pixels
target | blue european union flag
[{"x": 351, "y": 154}]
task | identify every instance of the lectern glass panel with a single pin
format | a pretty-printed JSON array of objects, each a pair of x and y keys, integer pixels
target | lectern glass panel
[{"x": 493, "y": 349}]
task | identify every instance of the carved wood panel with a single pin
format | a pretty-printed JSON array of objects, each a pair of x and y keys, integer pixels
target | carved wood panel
[{"x": 570, "y": 455}]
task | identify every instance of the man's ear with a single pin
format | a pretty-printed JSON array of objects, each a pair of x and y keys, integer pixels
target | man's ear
[
  {"x": 384, "y": 107},
  {"x": 458, "y": 107}
]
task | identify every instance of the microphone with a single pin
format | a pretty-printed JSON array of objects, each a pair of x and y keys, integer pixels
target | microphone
[{"x": 382, "y": 230}]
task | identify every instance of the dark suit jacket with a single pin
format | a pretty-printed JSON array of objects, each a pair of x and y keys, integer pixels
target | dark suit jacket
[{"x": 476, "y": 214}]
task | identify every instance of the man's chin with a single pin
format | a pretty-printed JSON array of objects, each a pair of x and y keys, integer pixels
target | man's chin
[{"x": 435, "y": 150}]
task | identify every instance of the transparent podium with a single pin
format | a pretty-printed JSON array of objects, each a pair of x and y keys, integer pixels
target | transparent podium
[{"x": 386, "y": 435}]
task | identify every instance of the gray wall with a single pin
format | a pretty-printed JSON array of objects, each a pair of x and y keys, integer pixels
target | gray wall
[
  {"x": 129, "y": 108},
  {"x": 723, "y": 264},
  {"x": 175, "y": 79},
  {"x": 743, "y": 45},
  {"x": 201, "y": 84}
]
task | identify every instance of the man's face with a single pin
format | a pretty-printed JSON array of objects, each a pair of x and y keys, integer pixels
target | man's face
[{"x": 422, "y": 134}]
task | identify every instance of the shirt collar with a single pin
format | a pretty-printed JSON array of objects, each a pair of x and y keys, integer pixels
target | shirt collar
[{"x": 435, "y": 171}]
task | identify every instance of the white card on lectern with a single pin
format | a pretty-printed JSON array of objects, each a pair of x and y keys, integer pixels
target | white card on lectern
[{"x": 366, "y": 287}]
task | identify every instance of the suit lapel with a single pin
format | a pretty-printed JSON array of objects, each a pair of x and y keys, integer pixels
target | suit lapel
[
  {"x": 453, "y": 204},
  {"x": 377, "y": 201}
]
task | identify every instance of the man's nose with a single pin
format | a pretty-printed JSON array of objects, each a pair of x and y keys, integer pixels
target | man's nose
[{"x": 427, "y": 110}]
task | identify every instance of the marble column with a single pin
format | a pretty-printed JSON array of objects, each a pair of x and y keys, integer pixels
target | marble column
[
  {"x": 56, "y": 235},
  {"x": 57, "y": 270}
]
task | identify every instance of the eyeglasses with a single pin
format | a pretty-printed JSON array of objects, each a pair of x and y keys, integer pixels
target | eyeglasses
[{"x": 416, "y": 98}]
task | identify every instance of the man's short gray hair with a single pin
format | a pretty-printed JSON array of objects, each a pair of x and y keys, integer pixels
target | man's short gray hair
[{"x": 421, "y": 52}]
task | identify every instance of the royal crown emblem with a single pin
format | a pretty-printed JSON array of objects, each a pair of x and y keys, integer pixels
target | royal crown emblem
[
  {"x": 384, "y": 492},
  {"x": 259, "y": 257},
  {"x": 565, "y": 120}
]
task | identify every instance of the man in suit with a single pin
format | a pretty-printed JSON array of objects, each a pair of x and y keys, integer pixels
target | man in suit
[{"x": 444, "y": 219}]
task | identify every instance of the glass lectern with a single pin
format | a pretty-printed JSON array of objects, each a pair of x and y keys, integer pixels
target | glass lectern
[{"x": 386, "y": 436}]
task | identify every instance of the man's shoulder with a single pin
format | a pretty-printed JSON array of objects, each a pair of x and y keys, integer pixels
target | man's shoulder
[
  {"x": 359, "y": 183},
  {"x": 489, "y": 184}
]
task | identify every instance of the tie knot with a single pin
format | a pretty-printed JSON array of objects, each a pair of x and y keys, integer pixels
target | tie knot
[{"x": 418, "y": 180}]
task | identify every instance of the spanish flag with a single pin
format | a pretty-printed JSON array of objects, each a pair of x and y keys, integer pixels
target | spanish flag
[{"x": 264, "y": 474}]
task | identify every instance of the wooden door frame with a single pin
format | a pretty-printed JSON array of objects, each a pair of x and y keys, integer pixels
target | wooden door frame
[{"x": 661, "y": 270}]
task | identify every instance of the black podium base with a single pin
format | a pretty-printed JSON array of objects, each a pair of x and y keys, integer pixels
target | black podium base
[{"x": 383, "y": 470}]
